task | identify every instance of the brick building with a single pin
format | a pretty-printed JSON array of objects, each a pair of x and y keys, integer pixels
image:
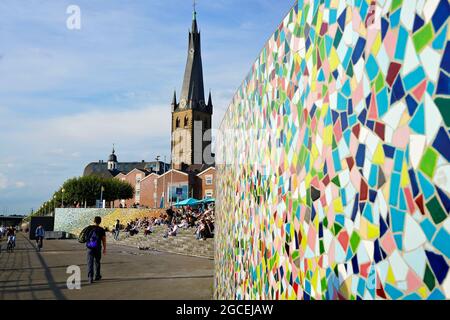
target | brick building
[{"x": 207, "y": 183}]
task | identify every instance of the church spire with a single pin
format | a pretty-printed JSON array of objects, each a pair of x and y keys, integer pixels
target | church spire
[
  {"x": 194, "y": 20},
  {"x": 194, "y": 70},
  {"x": 174, "y": 100},
  {"x": 209, "y": 99}
]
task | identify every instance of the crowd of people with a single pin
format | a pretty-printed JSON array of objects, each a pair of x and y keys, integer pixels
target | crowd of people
[{"x": 199, "y": 220}]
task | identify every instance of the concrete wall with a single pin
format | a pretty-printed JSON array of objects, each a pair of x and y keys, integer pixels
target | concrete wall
[
  {"x": 339, "y": 182},
  {"x": 73, "y": 220}
]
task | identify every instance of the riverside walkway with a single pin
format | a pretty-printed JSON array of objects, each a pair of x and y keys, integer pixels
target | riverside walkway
[{"x": 128, "y": 273}]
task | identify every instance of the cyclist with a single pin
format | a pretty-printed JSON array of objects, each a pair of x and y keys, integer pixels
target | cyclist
[
  {"x": 40, "y": 233},
  {"x": 11, "y": 236}
]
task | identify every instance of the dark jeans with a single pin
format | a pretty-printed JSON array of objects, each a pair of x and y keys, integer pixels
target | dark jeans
[
  {"x": 39, "y": 242},
  {"x": 93, "y": 258}
]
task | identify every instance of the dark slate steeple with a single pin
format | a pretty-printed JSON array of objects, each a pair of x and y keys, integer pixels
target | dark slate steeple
[
  {"x": 174, "y": 100},
  {"x": 193, "y": 90},
  {"x": 194, "y": 22},
  {"x": 210, "y": 104}
]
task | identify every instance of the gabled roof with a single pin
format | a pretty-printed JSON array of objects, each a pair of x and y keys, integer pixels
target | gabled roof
[
  {"x": 173, "y": 170},
  {"x": 206, "y": 170},
  {"x": 151, "y": 174},
  {"x": 136, "y": 169},
  {"x": 197, "y": 168}
]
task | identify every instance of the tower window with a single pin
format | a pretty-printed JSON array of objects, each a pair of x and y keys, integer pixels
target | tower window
[
  {"x": 186, "y": 121},
  {"x": 177, "y": 123}
]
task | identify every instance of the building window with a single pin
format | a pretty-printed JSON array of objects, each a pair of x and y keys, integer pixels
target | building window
[
  {"x": 208, "y": 193},
  {"x": 138, "y": 195},
  {"x": 209, "y": 180},
  {"x": 177, "y": 123},
  {"x": 186, "y": 121}
]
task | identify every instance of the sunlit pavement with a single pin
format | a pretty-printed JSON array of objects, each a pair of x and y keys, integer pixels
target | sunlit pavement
[{"x": 128, "y": 273}]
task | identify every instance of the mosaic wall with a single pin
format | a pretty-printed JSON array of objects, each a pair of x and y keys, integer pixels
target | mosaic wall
[
  {"x": 342, "y": 185},
  {"x": 73, "y": 220}
]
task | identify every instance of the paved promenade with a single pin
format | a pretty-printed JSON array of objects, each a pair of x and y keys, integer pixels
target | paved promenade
[{"x": 128, "y": 273}]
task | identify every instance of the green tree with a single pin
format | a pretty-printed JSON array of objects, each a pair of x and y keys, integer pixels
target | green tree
[{"x": 88, "y": 189}]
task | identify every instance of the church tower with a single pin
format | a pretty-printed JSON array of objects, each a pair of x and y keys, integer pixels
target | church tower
[
  {"x": 112, "y": 161},
  {"x": 191, "y": 116}
]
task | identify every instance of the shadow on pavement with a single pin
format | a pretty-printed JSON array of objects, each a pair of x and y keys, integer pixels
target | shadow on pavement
[{"x": 48, "y": 274}]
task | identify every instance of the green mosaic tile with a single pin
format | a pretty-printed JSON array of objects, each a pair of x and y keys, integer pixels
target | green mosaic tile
[
  {"x": 396, "y": 4},
  {"x": 423, "y": 37},
  {"x": 429, "y": 278},
  {"x": 443, "y": 105},
  {"x": 437, "y": 212},
  {"x": 337, "y": 228},
  {"x": 354, "y": 241},
  {"x": 335, "y": 180},
  {"x": 379, "y": 82},
  {"x": 428, "y": 162}
]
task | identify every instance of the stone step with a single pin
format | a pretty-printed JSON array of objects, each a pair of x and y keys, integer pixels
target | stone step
[{"x": 184, "y": 243}]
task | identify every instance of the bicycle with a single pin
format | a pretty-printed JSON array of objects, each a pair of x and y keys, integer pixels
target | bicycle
[{"x": 11, "y": 244}]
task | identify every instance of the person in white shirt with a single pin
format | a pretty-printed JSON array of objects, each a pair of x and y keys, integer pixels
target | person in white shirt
[
  {"x": 173, "y": 232},
  {"x": 148, "y": 230}
]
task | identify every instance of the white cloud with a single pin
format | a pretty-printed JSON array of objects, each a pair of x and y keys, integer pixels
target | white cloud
[
  {"x": 101, "y": 126},
  {"x": 20, "y": 184}
]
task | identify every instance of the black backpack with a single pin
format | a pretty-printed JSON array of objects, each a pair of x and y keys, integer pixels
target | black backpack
[{"x": 83, "y": 237}]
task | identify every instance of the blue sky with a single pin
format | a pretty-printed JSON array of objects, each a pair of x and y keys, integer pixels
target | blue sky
[{"x": 66, "y": 95}]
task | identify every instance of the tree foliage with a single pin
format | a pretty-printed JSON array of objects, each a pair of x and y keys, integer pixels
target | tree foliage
[{"x": 81, "y": 190}]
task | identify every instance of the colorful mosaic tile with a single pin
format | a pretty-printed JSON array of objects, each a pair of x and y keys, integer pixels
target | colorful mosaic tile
[
  {"x": 340, "y": 183},
  {"x": 73, "y": 220}
]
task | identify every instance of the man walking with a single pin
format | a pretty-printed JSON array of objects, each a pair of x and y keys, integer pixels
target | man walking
[
  {"x": 95, "y": 240},
  {"x": 117, "y": 230},
  {"x": 39, "y": 235}
]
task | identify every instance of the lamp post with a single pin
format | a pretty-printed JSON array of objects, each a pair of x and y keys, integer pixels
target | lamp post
[
  {"x": 101, "y": 196},
  {"x": 164, "y": 182},
  {"x": 62, "y": 201},
  {"x": 155, "y": 196},
  {"x": 54, "y": 205}
]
